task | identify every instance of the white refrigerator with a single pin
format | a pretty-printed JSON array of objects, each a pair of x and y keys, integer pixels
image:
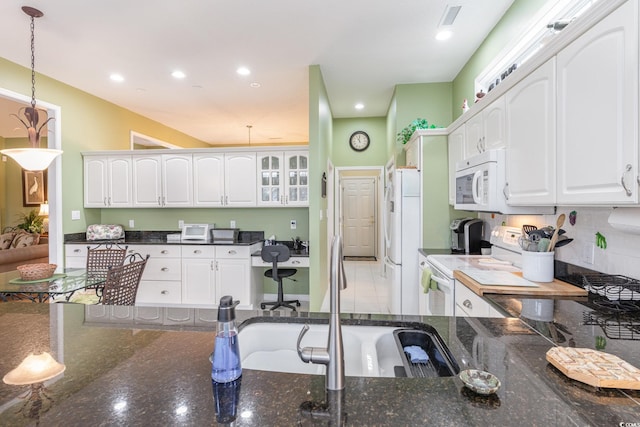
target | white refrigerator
[{"x": 403, "y": 234}]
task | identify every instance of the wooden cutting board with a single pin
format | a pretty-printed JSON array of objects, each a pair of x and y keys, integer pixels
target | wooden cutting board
[
  {"x": 557, "y": 288},
  {"x": 594, "y": 367}
]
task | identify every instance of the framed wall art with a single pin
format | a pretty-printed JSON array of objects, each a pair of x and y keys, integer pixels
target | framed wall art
[{"x": 34, "y": 188}]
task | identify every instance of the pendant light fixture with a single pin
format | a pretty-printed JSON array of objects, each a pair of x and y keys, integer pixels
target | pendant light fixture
[{"x": 33, "y": 158}]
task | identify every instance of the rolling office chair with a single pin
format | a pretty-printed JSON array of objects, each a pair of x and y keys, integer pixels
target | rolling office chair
[{"x": 275, "y": 254}]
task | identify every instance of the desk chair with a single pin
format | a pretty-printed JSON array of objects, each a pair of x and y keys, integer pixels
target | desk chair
[
  {"x": 275, "y": 254},
  {"x": 122, "y": 282}
]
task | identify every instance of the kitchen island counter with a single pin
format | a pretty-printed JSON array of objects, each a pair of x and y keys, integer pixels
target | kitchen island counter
[{"x": 149, "y": 366}]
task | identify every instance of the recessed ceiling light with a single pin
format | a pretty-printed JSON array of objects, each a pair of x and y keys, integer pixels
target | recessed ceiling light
[
  {"x": 178, "y": 74},
  {"x": 359, "y": 106},
  {"x": 255, "y": 84},
  {"x": 243, "y": 71},
  {"x": 116, "y": 77},
  {"x": 444, "y": 35}
]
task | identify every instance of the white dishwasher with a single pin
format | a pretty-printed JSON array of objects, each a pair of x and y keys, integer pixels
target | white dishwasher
[{"x": 435, "y": 302}]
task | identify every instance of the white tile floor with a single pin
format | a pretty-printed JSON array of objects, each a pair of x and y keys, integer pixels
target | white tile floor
[{"x": 367, "y": 291}]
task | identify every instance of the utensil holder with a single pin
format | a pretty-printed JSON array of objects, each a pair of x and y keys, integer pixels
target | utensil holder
[{"x": 537, "y": 266}]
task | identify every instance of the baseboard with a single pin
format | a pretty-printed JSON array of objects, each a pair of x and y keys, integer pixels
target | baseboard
[{"x": 273, "y": 297}]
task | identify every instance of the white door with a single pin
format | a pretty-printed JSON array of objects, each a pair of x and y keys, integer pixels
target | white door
[
  {"x": 359, "y": 216},
  {"x": 208, "y": 180}
]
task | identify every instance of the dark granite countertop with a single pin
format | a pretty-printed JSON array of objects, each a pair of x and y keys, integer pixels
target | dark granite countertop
[
  {"x": 245, "y": 238},
  {"x": 149, "y": 366}
]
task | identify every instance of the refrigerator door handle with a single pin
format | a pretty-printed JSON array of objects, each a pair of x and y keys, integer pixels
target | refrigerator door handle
[{"x": 385, "y": 216}]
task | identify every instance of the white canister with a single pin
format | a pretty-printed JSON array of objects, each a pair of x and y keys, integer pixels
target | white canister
[{"x": 537, "y": 266}]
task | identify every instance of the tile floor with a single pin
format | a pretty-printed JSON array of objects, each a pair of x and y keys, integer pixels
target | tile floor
[{"x": 367, "y": 291}]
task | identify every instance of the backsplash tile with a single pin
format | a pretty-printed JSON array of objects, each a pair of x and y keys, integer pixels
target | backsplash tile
[{"x": 622, "y": 255}]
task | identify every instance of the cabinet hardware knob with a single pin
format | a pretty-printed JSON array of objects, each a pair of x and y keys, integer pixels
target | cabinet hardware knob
[
  {"x": 164, "y": 252},
  {"x": 624, "y": 185},
  {"x": 232, "y": 252},
  {"x": 76, "y": 251},
  {"x": 159, "y": 201},
  {"x": 164, "y": 292},
  {"x": 467, "y": 304},
  {"x": 197, "y": 251},
  {"x": 105, "y": 201},
  {"x": 109, "y": 200},
  {"x": 164, "y": 269},
  {"x": 505, "y": 191},
  {"x": 295, "y": 262},
  {"x": 422, "y": 263}
]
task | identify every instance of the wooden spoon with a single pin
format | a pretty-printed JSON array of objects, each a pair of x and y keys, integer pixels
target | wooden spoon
[{"x": 554, "y": 238}]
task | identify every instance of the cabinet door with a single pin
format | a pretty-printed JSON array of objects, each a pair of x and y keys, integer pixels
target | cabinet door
[
  {"x": 531, "y": 142},
  {"x": 198, "y": 281},
  {"x": 95, "y": 182},
  {"x": 119, "y": 182},
  {"x": 493, "y": 117},
  {"x": 177, "y": 180},
  {"x": 233, "y": 278},
  {"x": 270, "y": 179},
  {"x": 598, "y": 113},
  {"x": 240, "y": 179},
  {"x": 296, "y": 179},
  {"x": 147, "y": 181},
  {"x": 208, "y": 180},
  {"x": 474, "y": 133},
  {"x": 456, "y": 153}
]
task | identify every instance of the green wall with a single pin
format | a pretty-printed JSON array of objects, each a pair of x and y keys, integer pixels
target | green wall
[
  {"x": 509, "y": 27},
  {"x": 344, "y": 155}
]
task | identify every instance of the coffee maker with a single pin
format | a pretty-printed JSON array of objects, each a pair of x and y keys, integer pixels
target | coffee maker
[{"x": 466, "y": 234}]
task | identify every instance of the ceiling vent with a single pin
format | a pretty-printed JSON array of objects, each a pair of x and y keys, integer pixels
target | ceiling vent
[{"x": 450, "y": 15}]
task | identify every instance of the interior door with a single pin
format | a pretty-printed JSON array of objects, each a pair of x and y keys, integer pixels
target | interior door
[{"x": 359, "y": 216}]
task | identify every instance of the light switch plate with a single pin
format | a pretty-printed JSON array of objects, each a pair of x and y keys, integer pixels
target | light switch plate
[
  {"x": 132, "y": 223},
  {"x": 180, "y": 224},
  {"x": 75, "y": 215},
  {"x": 232, "y": 223},
  {"x": 294, "y": 224}
]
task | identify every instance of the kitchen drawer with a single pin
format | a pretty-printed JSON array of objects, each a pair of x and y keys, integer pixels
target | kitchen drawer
[
  {"x": 193, "y": 251},
  {"x": 76, "y": 251},
  {"x": 470, "y": 304},
  {"x": 163, "y": 269},
  {"x": 293, "y": 262},
  {"x": 159, "y": 292},
  {"x": 156, "y": 251},
  {"x": 233, "y": 252}
]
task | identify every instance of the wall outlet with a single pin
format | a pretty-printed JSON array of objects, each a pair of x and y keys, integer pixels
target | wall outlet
[
  {"x": 180, "y": 224},
  {"x": 75, "y": 215},
  {"x": 588, "y": 253},
  {"x": 294, "y": 224},
  {"x": 232, "y": 223},
  {"x": 132, "y": 223}
]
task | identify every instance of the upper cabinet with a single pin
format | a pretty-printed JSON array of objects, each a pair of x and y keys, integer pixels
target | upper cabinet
[
  {"x": 598, "y": 113},
  {"x": 485, "y": 130},
  {"x": 455, "y": 154},
  {"x": 208, "y": 180},
  {"x": 224, "y": 179},
  {"x": 283, "y": 178},
  {"x": 107, "y": 181},
  {"x": 531, "y": 139},
  {"x": 164, "y": 180}
]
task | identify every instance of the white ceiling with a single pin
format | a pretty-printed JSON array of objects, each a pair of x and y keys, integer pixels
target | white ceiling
[{"x": 363, "y": 47}]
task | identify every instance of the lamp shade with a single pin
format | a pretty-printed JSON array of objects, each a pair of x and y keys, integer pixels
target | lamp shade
[
  {"x": 44, "y": 209},
  {"x": 32, "y": 159},
  {"x": 35, "y": 368}
]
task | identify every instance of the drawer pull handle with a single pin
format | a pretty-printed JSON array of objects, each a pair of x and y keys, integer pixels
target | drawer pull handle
[
  {"x": 422, "y": 263},
  {"x": 198, "y": 251},
  {"x": 467, "y": 304},
  {"x": 164, "y": 252},
  {"x": 164, "y": 269},
  {"x": 164, "y": 292},
  {"x": 232, "y": 252},
  {"x": 295, "y": 262},
  {"x": 76, "y": 251}
]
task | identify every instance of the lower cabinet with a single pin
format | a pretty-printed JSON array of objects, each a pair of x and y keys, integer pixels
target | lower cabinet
[
  {"x": 233, "y": 274},
  {"x": 469, "y": 304},
  {"x": 198, "y": 275}
]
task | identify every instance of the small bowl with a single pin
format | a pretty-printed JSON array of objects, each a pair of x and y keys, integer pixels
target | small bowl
[{"x": 481, "y": 382}]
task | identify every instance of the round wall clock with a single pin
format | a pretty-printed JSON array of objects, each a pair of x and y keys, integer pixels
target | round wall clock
[{"x": 359, "y": 140}]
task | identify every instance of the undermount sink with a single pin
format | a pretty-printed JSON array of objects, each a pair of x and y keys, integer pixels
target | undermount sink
[{"x": 369, "y": 351}]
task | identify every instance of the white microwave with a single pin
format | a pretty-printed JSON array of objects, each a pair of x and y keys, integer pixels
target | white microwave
[
  {"x": 480, "y": 186},
  {"x": 196, "y": 231}
]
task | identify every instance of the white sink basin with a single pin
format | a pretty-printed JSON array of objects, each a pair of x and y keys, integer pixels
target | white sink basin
[{"x": 369, "y": 351}]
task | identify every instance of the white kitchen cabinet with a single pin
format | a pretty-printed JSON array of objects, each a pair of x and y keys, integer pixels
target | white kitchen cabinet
[
  {"x": 161, "y": 279},
  {"x": 164, "y": 180},
  {"x": 198, "y": 275},
  {"x": 208, "y": 180},
  {"x": 233, "y": 274},
  {"x": 455, "y": 153},
  {"x": 469, "y": 304},
  {"x": 107, "y": 181},
  {"x": 485, "y": 130},
  {"x": 283, "y": 178},
  {"x": 598, "y": 113},
  {"x": 531, "y": 139},
  {"x": 75, "y": 255}
]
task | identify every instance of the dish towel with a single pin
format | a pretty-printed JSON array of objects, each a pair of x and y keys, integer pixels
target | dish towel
[
  {"x": 427, "y": 282},
  {"x": 416, "y": 354}
]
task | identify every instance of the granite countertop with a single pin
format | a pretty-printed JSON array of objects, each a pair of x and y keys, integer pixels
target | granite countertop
[
  {"x": 245, "y": 238},
  {"x": 149, "y": 366}
]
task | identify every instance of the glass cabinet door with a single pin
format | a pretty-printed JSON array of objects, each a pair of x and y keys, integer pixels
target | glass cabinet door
[
  {"x": 297, "y": 173},
  {"x": 270, "y": 180}
]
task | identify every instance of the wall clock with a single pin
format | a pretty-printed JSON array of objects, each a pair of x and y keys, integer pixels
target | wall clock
[{"x": 359, "y": 140}]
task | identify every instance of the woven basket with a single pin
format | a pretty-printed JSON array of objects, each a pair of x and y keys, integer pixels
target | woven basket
[{"x": 36, "y": 271}]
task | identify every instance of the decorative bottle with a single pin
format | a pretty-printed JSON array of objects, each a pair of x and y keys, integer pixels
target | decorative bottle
[{"x": 226, "y": 353}]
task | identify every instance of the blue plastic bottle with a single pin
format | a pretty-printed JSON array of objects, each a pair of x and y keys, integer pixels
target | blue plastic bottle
[{"x": 226, "y": 353}]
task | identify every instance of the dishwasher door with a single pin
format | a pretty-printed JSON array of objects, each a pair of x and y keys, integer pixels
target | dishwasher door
[{"x": 441, "y": 301}]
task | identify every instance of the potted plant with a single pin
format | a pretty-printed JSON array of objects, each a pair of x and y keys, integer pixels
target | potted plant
[
  {"x": 31, "y": 222},
  {"x": 405, "y": 134}
]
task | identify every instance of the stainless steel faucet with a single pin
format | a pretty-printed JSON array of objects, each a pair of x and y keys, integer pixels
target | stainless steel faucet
[{"x": 333, "y": 355}]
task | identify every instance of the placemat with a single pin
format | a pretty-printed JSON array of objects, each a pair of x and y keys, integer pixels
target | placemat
[{"x": 19, "y": 281}]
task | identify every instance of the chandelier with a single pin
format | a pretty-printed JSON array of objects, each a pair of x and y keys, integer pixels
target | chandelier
[{"x": 33, "y": 158}]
